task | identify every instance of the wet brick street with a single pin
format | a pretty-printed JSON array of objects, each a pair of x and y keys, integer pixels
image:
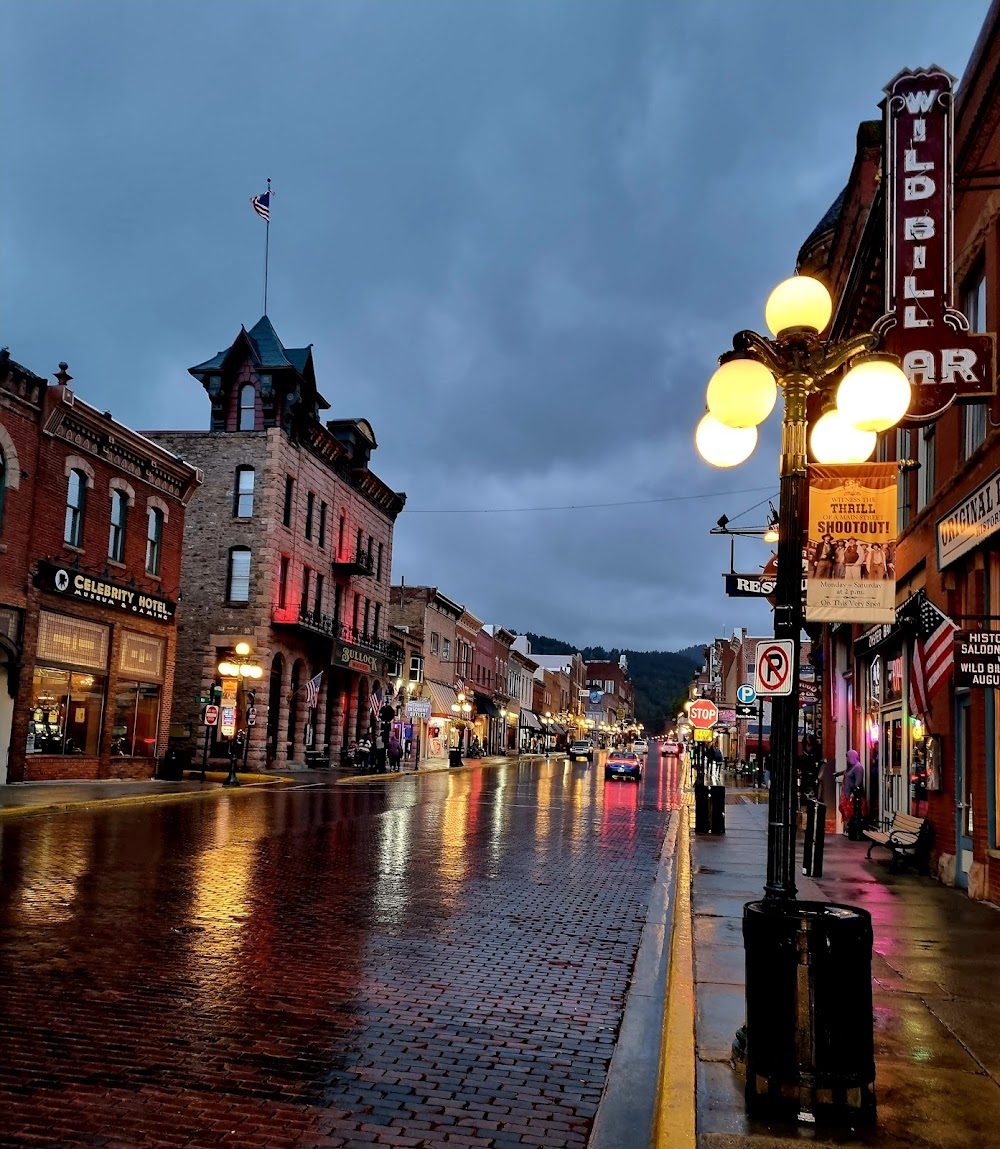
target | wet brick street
[{"x": 431, "y": 961}]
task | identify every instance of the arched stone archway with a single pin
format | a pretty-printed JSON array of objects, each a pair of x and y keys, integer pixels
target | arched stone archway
[
  {"x": 362, "y": 723},
  {"x": 274, "y": 699},
  {"x": 294, "y": 735}
]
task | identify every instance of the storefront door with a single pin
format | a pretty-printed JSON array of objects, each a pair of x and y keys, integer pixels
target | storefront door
[
  {"x": 963, "y": 789},
  {"x": 894, "y": 792}
]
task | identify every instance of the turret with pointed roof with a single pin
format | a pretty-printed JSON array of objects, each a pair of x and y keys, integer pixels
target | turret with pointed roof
[{"x": 282, "y": 378}]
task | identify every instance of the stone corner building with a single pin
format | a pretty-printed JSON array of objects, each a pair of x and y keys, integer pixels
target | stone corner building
[{"x": 289, "y": 548}]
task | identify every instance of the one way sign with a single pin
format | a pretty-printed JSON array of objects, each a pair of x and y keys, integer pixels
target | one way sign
[{"x": 774, "y": 667}]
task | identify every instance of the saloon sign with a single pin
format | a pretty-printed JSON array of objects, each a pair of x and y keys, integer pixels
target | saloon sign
[{"x": 939, "y": 354}]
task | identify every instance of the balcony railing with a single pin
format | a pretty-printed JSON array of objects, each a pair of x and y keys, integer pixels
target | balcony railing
[
  {"x": 361, "y": 563},
  {"x": 317, "y": 623}
]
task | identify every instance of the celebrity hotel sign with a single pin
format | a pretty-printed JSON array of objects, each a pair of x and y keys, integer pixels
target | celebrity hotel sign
[
  {"x": 89, "y": 588},
  {"x": 943, "y": 359}
]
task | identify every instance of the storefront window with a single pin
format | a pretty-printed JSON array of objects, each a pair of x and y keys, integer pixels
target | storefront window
[
  {"x": 66, "y": 711},
  {"x": 137, "y": 704},
  {"x": 892, "y": 687},
  {"x": 137, "y": 715}
]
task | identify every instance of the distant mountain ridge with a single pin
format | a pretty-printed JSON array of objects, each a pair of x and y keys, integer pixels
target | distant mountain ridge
[{"x": 660, "y": 677}]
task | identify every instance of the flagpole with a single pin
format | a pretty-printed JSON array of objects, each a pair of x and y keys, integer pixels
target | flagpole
[{"x": 267, "y": 241}]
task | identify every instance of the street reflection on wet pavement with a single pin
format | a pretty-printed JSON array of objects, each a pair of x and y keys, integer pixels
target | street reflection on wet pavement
[{"x": 396, "y": 962}]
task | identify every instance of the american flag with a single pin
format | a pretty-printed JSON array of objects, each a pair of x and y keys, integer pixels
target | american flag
[
  {"x": 933, "y": 655},
  {"x": 376, "y": 699},
  {"x": 312, "y": 689},
  {"x": 262, "y": 205}
]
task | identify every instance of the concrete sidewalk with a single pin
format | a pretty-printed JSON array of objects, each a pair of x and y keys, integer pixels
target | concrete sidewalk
[{"x": 936, "y": 971}]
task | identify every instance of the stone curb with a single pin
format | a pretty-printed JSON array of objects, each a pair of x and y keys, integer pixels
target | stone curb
[
  {"x": 251, "y": 783},
  {"x": 467, "y": 764}
]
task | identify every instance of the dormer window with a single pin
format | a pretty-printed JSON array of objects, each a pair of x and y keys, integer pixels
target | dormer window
[{"x": 248, "y": 407}]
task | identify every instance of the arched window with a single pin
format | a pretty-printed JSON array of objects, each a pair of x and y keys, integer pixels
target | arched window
[
  {"x": 245, "y": 478},
  {"x": 154, "y": 540},
  {"x": 248, "y": 407},
  {"x": 116, "y": 536},
  {"x": 238, "y": 580},
  {"x": 76, "y": 496}
]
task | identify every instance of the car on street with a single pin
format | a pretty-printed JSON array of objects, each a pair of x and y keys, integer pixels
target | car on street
[
  {"x": 623, "y": 764},
  {"x": 581, "y": 750},
  {"x": 640, "y": 746},
  {"x": 671, "y": 748}
]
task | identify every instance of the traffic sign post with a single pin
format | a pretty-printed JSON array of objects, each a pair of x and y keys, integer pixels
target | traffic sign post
[
  {"x": 703, "y": 714},
  {"x": 775, "y": 659}
]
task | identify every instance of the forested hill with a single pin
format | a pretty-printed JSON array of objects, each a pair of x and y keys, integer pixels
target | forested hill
[{"x": 660, "y": 677}]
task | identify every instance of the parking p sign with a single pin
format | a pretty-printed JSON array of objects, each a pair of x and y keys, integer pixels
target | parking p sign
[{"x": 746, "y": 694}]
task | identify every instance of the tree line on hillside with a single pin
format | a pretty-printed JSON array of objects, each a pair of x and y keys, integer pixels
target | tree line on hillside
[{"x": 660, "y": 677}]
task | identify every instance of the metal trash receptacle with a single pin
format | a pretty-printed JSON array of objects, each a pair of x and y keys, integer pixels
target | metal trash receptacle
[
  {"x": 810, "y": 1027},
  {"x": 702, "y": 821},
  {"x": 718, "y": 809},
  {"x": 454, "y": 757}
]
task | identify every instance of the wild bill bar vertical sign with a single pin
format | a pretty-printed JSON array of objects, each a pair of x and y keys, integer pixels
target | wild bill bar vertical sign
[
  {"x": 851, "y": 563},
  {"x": 943, "y": 359}
]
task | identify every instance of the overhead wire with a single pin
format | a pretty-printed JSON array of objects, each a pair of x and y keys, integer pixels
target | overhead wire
[{"x": 587, "y": 506}]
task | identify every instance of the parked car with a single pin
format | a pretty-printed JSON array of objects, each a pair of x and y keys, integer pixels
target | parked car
[
  {"x": 640, "y": 746},
  {"x": 581, "y": 750},
  {"x": 623, "y": 764}
]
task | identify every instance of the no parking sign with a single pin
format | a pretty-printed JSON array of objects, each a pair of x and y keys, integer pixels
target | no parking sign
[{"x": 774, "y": 667}]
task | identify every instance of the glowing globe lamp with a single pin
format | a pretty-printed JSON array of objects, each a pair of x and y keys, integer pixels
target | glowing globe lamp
[
  {"x": 798, "y": 302},
  {"x": 874, "y": 394},
  {"x": 834, "y": 440},
  {"x": 742, "y": 393},
  {"x": 724, "y": 446}
]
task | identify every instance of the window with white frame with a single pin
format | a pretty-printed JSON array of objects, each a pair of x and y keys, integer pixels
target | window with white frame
[{"x": 926, "y": 458}]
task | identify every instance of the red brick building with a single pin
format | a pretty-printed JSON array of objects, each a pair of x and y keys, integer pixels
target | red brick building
[
  {"x": 941, "y": 760},
  {"x": 90, "y": 570}
]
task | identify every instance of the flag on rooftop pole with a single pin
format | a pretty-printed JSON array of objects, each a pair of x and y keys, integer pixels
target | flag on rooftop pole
[{"x": 262, "y": 206}]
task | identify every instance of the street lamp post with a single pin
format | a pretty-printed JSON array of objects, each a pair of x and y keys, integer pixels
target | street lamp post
[
  {"x": 240, "y": 666},
  {"x": 783, "y": 1069}
]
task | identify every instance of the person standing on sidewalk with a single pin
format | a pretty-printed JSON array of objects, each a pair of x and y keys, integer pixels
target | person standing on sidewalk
[
  {"x": 852, "y": 795},
  {"x": 395, "y": 751}
]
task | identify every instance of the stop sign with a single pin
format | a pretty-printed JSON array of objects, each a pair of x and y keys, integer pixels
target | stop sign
[{"x": 703, "y": 714}]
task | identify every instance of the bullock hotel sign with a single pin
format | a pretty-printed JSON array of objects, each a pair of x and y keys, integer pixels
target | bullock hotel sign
[
  {"x": 88, "y": 588},
  {"x": 941, "y": 357}
]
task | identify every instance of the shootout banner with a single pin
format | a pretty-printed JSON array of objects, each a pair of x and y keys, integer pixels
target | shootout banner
[{"x": 851, "y": 550}]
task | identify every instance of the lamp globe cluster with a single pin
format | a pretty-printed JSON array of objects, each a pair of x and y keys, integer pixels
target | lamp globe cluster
[{"x": 872, "y": 396}]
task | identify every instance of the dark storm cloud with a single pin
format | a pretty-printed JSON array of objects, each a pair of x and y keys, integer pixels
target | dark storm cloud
[{"x": 517, "y": 235}]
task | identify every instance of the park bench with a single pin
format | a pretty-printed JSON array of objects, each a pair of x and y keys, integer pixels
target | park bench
[{"x": 908, "y": 838}]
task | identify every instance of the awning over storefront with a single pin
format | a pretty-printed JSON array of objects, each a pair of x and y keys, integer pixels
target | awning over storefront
[
  {"x": 485, "y": 706},
  {"x": 530, "y": 719},
  {"x": 557, "y": 729},
  {"x": 442, "y": 698}
]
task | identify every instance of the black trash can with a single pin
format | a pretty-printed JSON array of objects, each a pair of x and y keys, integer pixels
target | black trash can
[
  {"x": 718, "y": 806},
  {"x": 455, "y": 757},
  {"x": 172, "y": 765},
  {"x": 702, "y": 821},
  {"x": 810, "y": 1027}
]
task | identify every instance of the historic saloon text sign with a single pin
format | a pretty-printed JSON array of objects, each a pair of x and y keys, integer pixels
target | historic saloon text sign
[
  {"x": 966, "y": 525},
  {"x": 941, "y": 357},
  {"x": 852, "y": 543},
  {"x": 977, "y": 658},
  {"x": 104, "y": 592}
]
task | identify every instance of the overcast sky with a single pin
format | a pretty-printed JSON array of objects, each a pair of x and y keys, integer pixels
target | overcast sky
[{"x": 517, "y": 235}]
